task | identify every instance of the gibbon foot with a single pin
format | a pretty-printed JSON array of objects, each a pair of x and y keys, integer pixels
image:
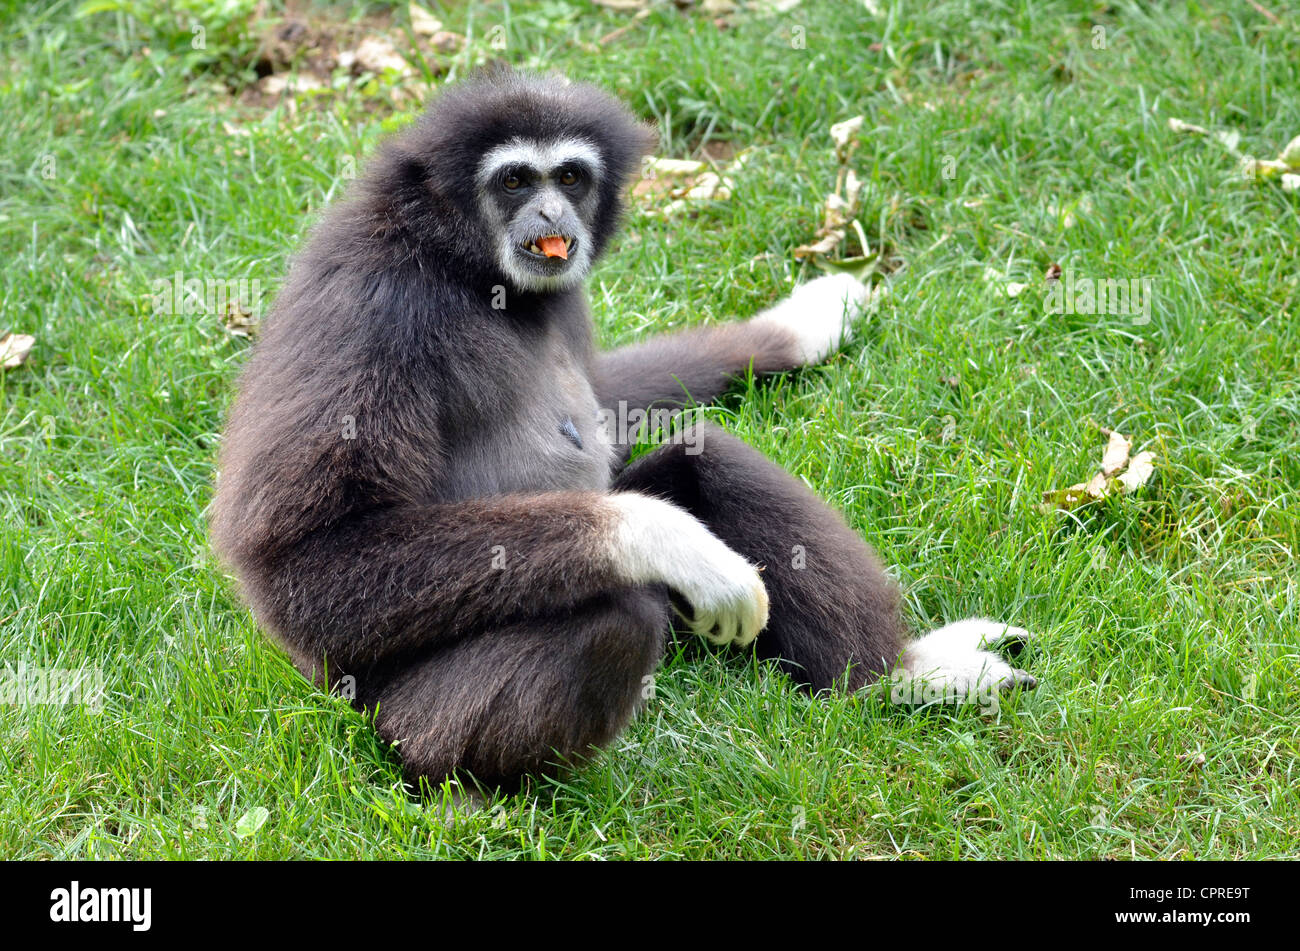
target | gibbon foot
[{"x": 954, "y": 658}]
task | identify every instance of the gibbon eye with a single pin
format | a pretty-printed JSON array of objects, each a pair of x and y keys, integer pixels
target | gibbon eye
[
  {"x": 568, "y": 177},
  {"x": 511, "y": 182}
]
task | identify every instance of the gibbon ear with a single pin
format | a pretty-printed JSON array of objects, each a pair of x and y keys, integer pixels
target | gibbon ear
[{"x": 650, "y": 139}]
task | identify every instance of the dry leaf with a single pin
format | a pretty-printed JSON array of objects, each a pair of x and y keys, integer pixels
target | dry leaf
[
  {"x": 675, "y": 167},
  {"x": 1139, "y": 472},
  {"x": 1191, "y": 759},
  {"x": 683, "y": 181},
  {"x": 1291, "y": 154},
  {"x": 1229, "y": 139},
  {"x": 278, "y": 83},
  {"x": 1115, "y": 457},
  {"x": 14, "y": 349},
  {"x": 1117, "y": 473},
  {"x": 1263, "y": 168},
  {"x": 423, "y": 22},
  {"x": 838, "y": 214},
  {"x": 1096, "y": 486},
  {"x": 375, "y": 54},
  {"x": 844, "y": 134},
  {"x": 1178, "y": 125},
  {"x": 826, "y": 245},
  {"x": 852, "y": 189},
  {"x": 239, "y": 322},
  {"x": 1286, "y": 164}
]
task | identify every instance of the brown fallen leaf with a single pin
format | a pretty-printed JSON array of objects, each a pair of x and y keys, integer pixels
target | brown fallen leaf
[
  {"x": 1115, "y": 457},
  {"x": 838, "y": 214},
  {"x": 844, "y": 135},
  {"x": 683, "y": 182},
  {"x": 1096, "y": 486},
  {"x": 296, "y": 85},
  {"x": 423, "y": 22},
  {"x": 239, "y": 322},
  {"x": 1191, "y": 759},
  {"x": 375, "y": 54},
  {"x": 1118, "y": 473},
  {"x": 825, "y": 245},
  {"x": 14, "y": 349},
  {"x": 1139, "y": 472}
]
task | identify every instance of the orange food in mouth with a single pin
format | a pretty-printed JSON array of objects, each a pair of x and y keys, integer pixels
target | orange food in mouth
[{"x": 553, "y": 246}]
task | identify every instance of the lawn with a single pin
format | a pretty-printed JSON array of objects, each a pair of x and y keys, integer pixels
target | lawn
[{"x": 999, "y": 138}]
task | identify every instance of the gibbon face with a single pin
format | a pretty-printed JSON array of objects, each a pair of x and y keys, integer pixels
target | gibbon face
[
  {"x": 512, "y": 178},
  {"x": 540, "y": 198}
]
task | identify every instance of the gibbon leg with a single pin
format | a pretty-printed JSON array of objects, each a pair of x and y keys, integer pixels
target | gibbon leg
[
  {"x": 835, "y": 617},
  {"x": 833, "y": 608},
  {"x": 525, "y": 697}
]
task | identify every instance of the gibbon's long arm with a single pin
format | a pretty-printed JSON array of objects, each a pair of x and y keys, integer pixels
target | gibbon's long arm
[
  {"x": 391, "y": 581},
  {"x": 690, "y": 366},
  {"x": 694, "y": 366}
]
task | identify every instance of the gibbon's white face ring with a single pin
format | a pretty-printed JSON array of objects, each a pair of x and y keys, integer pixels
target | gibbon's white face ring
[{"x": 544, "y": 242}]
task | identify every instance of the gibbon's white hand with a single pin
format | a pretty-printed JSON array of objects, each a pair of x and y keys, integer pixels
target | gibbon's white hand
[
  {"x": 820, "y": 314},
  {"x": 655, "y": 541}
]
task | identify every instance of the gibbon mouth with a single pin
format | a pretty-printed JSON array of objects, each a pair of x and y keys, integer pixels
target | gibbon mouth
[{"x": 550, "y": 246}]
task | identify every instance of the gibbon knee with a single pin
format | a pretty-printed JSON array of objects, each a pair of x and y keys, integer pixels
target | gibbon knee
[{"x": 525, "y": 697}]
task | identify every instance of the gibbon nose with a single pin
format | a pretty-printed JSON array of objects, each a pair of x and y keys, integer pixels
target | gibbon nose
[{"x": 552, "y": 210}]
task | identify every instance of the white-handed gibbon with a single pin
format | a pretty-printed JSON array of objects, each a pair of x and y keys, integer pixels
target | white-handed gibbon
[{"x": 416, "y": 491}]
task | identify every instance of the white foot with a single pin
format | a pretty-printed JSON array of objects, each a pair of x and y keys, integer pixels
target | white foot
[
  {"x": 954, "y": 661},
  {"x": 820, "y": 314}
]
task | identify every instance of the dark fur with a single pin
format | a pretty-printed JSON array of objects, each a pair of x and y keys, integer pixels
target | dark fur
[{"x": 374, "y": 555}]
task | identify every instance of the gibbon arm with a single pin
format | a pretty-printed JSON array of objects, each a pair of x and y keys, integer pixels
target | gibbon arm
[
  {"x": 694, "y": 366},
  {"x": 392, "y": 581},
  {"x": 691, "y": 366}
]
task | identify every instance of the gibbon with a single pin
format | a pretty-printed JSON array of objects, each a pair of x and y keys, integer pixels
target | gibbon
[{"x": 416, "y": 490}]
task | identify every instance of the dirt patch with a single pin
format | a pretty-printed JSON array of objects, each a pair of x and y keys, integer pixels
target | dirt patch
[{"x": 306, "y": 51}]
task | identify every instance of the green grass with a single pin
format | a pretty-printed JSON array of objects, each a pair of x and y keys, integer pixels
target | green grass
[{"x": 1168, "y": 619}]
